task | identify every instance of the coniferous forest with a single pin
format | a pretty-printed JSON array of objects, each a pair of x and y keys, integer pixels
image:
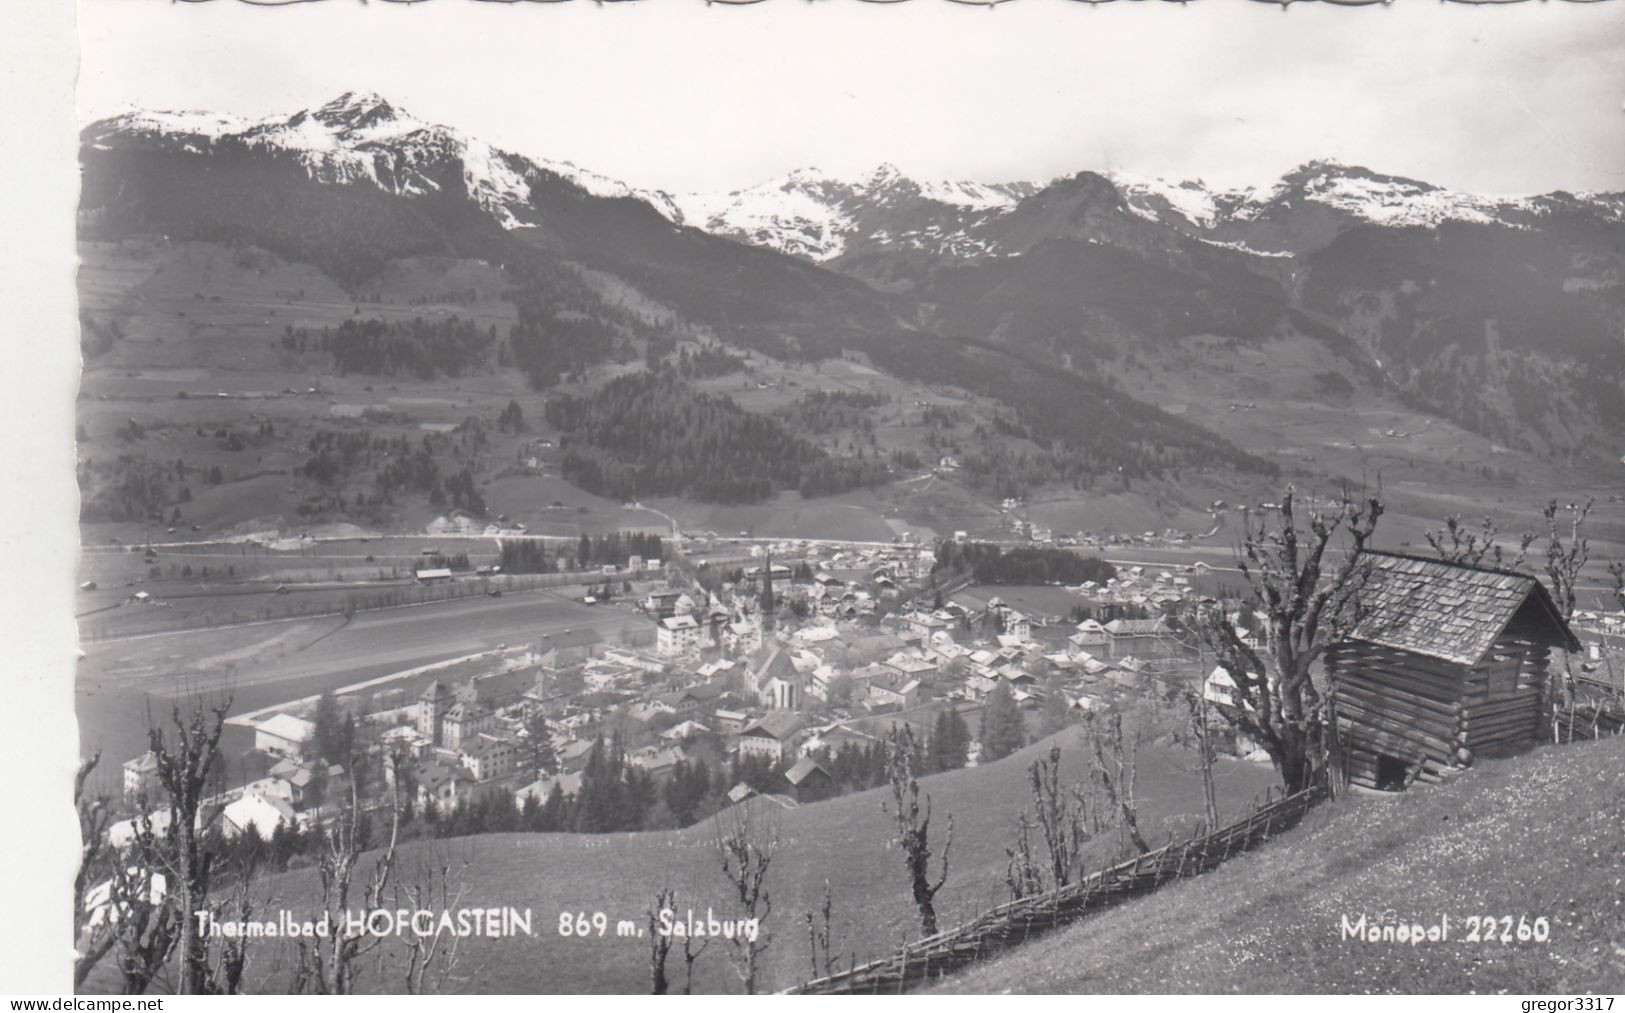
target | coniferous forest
[
  {"x": 423, "y": 348},
  {"x": 651, "y": 434},
  {"x": 990, "y": 564}
]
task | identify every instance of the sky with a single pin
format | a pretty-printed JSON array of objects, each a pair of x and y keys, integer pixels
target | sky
[{"x": 684, "y": 96}]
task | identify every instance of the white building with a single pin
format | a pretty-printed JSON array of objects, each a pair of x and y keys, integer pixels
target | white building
[
  {"x": 678, "y": 634},
  {"x": 284, "y": 735},
  {"x": 261, "y": 812},
  {"x": 141, "y": 775}
]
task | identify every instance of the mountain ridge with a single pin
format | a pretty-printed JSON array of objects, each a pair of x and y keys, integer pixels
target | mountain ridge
[
  {"x": 822, "y": 216},
  {"x": 1409, "y": 283}
]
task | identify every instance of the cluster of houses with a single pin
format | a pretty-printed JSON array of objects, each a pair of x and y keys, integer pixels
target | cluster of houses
[
  {"x": 293, "y": 792},
  {"x": 737, "y": 669},
  {"x": 1136, "y": 586},
  {"x": 736, "y": 674}
]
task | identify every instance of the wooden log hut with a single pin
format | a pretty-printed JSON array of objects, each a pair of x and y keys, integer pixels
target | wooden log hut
[{"x": 1444, "y": 662}]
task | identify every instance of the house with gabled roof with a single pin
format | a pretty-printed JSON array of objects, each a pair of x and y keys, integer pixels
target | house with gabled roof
[
  {"x": 488, "y": 756},
  {"x": 809, "y": 780},
  {"x": 141, "y": 776},
  {"x": 284, "y": 735},
  {"x": 541, "y": 789},
  {"x": 774, "y": 735},
  {"x": 259, "y": 812},
  {"x": 683, "y": 730},
  {"x": 677, "y": 634},
  {"x": 463, "y": 722},
  {"x": 1144, "y": 637},
  {"x": 435, "y": 782},
  {"x": 1444, "y": 662}
]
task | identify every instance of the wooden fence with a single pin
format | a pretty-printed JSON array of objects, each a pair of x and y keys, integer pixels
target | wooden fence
[
  {"x": 1016, "y": 921},
  {"x": 1596, "y": 711}
]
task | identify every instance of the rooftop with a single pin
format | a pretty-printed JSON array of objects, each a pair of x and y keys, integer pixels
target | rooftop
[{"x": 1451, "y": 611}]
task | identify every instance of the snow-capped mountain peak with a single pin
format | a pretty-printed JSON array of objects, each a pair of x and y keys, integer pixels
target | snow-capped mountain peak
[
  {"x": 1190, "y": 199},
  {"x": 357, "y": 111},
  {"x": 361, "y": 137},
  {"x": 821, "y": 215}
]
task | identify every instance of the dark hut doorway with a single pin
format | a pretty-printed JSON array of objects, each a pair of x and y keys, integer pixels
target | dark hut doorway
[{"x": 1391, "y": 773}]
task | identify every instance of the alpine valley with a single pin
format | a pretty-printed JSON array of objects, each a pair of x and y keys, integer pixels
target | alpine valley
[{"x": 349, "y": 316}]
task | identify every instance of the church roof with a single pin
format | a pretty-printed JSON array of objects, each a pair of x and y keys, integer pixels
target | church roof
[{"x": 772, "y": 661}]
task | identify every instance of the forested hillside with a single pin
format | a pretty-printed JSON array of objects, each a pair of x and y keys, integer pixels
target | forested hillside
[{"x": 650, "y": 434}]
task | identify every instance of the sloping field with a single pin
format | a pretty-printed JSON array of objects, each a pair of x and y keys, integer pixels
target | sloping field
[
  {"x": 843, "y": 842},
  {"x": 1537, "y": 836}
]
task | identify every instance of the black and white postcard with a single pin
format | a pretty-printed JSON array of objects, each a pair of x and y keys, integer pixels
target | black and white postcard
[{"x": 846, "y": 497}]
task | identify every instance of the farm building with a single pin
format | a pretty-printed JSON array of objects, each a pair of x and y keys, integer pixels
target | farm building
[
  {"x": 1446, "y": 660},
  {"x": 809, "y": 780}
]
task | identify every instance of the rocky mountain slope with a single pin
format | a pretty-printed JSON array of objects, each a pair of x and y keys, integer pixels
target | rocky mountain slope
[
  {"x": 598, "y": 276},
  {"x": 1504, "y": 314}
]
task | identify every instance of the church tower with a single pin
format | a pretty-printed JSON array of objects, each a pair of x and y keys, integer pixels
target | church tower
[
  {"x": 769, "y": 606},
  {"x": 433, "y": 703}
]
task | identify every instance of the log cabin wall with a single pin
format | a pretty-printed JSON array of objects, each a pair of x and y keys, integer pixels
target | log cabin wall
[
  {"x": 1400, "y": 705},
  {"x": 1506, "y": 707}
]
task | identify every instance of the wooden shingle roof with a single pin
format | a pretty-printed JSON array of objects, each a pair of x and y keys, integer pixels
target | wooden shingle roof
[
  {"x": 1449, "y": 611},
  {"x": 804, "y": 769}
]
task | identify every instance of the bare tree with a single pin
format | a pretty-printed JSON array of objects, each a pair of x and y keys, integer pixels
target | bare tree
[
  {"x": 1457, "y": 543},
  {"x": 1616, "y": 680},
  {"x": 659, "y": 943},
  {"x": 160, "y": 879},
  {"x": 692, "y": 953},
  {"x": 1067, "y": 820},
  {"x": 1566, "y": 555},
  {"x": 137, "y": 910},
  {"x": 1116, "y": 760},
  {"x": 328, "y": 966},
  {"x": 229, "y": 957},
  {"x": 431, "y": 960},
  {"x": 187, "y": 860},
  {"x": 1023, "y": 873},
  {"x": 1307, "y": 603},
  {"x": 1063, "y": 816},
  {"x": 95, "y": 815},
  {"x": 745, "y": 850},
  {"x": 914, "y": 825},
  {"x": 1197, "y": 733},
  {"x": 821, "y": 935}
]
